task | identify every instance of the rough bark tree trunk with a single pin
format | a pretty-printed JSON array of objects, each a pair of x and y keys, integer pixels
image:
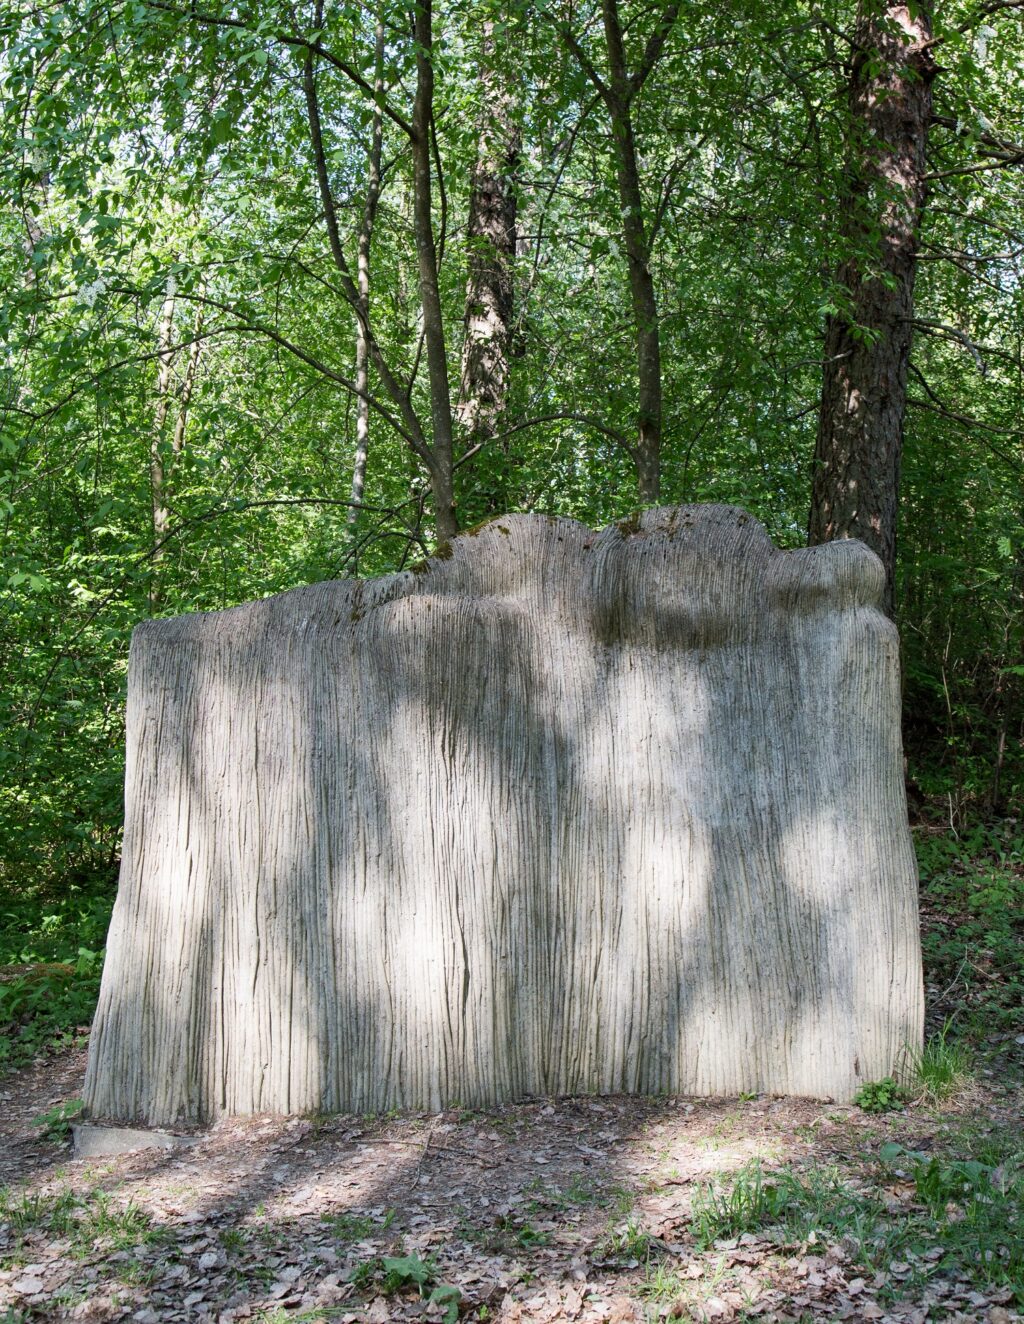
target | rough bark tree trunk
[
  {"x": 491, "y": 239},
  {"x": 561, "y": 813},
  {"x": 857, "y": 457}
]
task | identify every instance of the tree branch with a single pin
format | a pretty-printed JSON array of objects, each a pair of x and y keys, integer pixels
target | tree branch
[
  {"x": 654, "y": 48},
  {"x": 297, "y": 43},
  {"x": 953, "y": 333},
  {"x": 1001, "y": 147},
  {"x": 999, "y": 164},
  {"x": 587, "y": 419},
  {"x": 583, "y": 60}
]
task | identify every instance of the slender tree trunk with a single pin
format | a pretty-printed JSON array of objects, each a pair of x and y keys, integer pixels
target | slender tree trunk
[
  {"x": 362, "y": 366},
  {"x": 618, "y": 94},
  {"x": 188, "y": 383},
  {"x": 159, "y": 458},
  {"x": 857, "y": 458},
  {"x": 638, "y": 258},
  {"x": 492, "y": 250},
  {"x": 164, "y": 455},
  {"x": 441, "y": 468},
  {"x": 435, "y": 452}
]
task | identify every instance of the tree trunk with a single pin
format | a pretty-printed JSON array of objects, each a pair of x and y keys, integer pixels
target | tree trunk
[
  {"x": 562, "y": 813},
  {"x": 441, "y": 467},
  {"x": 491, "y": 242},
  {"x": 159, "y": 451},
  {"x": 434, "y": 452},
  {"x": 164, "y": 454},
  {"x": 638, "y": 260},
  {"x": 618, "y": 94},
  {"x": 362, "y": 366},
  {"x": 188, "y": 382},
  {"x": 857, "y": 458}
]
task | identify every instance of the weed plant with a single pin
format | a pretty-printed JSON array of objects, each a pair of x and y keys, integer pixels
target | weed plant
[{"x": 881, "y": 1096}]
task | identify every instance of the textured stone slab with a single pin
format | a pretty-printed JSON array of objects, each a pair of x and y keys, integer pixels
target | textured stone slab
[
  {"x": 559, "y": 812},
  {"x": 91, "y": 1141}
]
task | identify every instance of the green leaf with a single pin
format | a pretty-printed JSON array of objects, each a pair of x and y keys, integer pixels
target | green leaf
[
  {"x": 448, "y": 1296},
  {"x": 407, "y": 1268}
]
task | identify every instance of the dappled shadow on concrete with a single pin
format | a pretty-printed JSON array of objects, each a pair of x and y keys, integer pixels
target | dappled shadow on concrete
[{"x": 498, "y": 830}]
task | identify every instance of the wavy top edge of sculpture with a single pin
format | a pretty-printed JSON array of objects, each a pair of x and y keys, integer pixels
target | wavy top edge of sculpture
[{"x": 717, "y": 559}]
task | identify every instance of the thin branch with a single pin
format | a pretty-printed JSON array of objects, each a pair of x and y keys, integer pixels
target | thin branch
[
  {"x": 297, "y": 43},
  {"x": 654, "y": 48},
  {"x": 953, "y": 333},
  {"x": 587, "y": 419},
  {"x": 412, "y": 432},
  {"x": 154, "y": 552},
  {"x": 39, "y": 416},
  {"x": 935, "y": 406},
  {"x": 583, "y": 60},
  {"x": 986, "y": 11},
  {"x": 1002, "y": 146},
  {"x": 1000, "y": 164}
]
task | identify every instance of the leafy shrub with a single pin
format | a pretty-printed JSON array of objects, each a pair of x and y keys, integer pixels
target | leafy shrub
[
  {"x": 972, "y": 894},
  {"x": 51, "y": 960}
]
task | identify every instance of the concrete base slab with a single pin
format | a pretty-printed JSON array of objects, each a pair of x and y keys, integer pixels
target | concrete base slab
[{"x": 92, "y": 1141}]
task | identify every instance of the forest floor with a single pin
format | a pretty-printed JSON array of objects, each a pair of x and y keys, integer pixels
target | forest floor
[{"x": 612, "y": 1209}]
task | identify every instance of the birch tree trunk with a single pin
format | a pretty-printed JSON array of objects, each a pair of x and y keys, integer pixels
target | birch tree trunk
[
  {"x": 560, "y": 813},
  {"x": 859, "y": 448}
]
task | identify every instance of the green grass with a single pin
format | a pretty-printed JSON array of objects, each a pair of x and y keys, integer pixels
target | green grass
[
  {"x": 941, "y": 1067},
  {"x": 627, "y": 1245},
  {"x": 964, "y": 1217},
  {"x": 357, "y": 1227},
  {"x": 818, "y": 1201},
  {"x": 92, "y": 1223}
]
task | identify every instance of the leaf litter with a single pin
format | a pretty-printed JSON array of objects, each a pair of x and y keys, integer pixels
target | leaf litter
[{"x": 595, "y": 1209}]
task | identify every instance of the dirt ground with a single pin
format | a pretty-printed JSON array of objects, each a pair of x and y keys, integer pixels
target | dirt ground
[{"x": 551, "y": 1210}]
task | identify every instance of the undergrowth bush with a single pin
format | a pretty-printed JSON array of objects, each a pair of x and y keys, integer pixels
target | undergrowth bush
[
  {"x": 972, "y": 893},
  {"x": 51, "y": 959}
]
